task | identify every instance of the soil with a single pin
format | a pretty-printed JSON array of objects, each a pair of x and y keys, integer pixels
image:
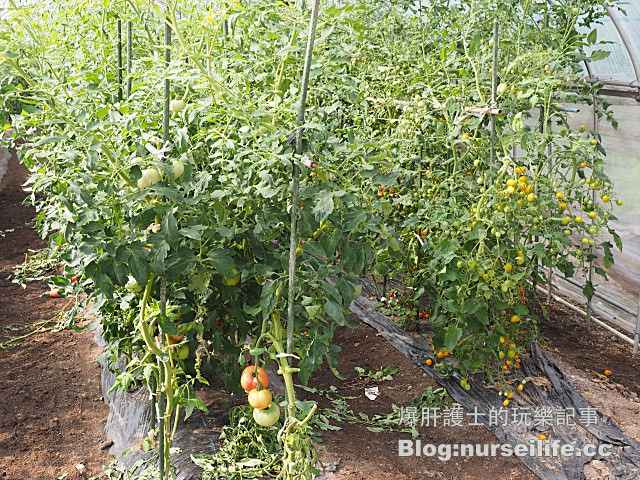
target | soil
[
  {"x": 591, "y": 350},
  {"x": 584, "y": 354},
  {"x": 52, "y": 413},
  {"x": 361, "y": 454}
]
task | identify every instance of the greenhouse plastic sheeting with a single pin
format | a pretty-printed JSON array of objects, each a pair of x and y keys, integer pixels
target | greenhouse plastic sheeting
[
  {"x": 623, "y": 168},
  {"x": 618, "y": 65}
]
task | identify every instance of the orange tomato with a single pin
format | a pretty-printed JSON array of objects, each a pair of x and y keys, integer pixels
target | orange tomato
[{"x": 260, "y": 398}]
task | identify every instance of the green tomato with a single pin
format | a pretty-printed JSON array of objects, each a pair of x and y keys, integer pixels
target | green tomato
[
  {"x": 176, "y": 106},
  {"x": 150, "y": 176},
  {"x": 231, "y": 281},
  {"x": 183, "y": 351},
  {"x": 177, "y": 168},
  {"x": 132, "y": 285},
  {"x": 267, "y": 417}
]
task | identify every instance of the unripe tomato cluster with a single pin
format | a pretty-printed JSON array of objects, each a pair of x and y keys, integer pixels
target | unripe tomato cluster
[{"x": 255, "y": 381}]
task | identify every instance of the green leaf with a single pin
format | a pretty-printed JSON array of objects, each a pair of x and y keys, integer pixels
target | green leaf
[
  {"x": 451, "y": 337},
  {"x": 314, "y": 248},
  {"x": 192, "y": 232},
  {"x": 521, "y": 309},
  {"x": 159, "y": 256},
  {"x": 335, "y": 312},
  {"x": 167, "y": 326},
  {"x": 139, "y": 267},
  {"x": 249, "y": 310},
  {"x": 181, "y": 262},
  {"x": 223, "y": 261},
  {"x": 170, "y": 228},
  {"x": 323, "y": 205},
  {"x": 268, "y": 298},
  {"x": 599, "y": 55},
  {"x": 482, "y": 314},
  {"x": 589, "y": 290}
]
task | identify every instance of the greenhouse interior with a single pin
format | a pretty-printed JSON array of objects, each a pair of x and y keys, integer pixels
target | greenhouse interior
[{"x": 299, "y": 239}]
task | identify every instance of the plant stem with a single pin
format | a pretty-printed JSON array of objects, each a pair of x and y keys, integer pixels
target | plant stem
[{"x": 494, "y": 89}]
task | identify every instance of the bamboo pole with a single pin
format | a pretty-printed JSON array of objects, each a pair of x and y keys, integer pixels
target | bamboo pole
[{"x": 295, "y": 183}]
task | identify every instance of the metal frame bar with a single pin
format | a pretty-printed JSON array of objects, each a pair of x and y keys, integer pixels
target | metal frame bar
[
  {"x": 597, "y": 295},
  {"x": 595, "y": 320},
  {"x": 625, "y": 89},
  {"x": 628, "y": 44}
]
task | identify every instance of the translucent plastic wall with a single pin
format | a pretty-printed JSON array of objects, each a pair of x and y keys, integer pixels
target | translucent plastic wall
[
  {"x": 618, "y": 65},
  {"x": 623, "y": 167}
]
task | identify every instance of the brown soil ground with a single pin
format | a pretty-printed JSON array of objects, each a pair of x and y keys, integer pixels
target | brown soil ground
[
  {"x": 584, "y": 354},
  {"x": 591, "y": 350},
  {"x": 361, "y": 454},
  {"x": 51, "y": 409}
]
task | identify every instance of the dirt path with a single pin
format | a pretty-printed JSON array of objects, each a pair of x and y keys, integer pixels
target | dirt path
[{"x": 51, "y": 409}]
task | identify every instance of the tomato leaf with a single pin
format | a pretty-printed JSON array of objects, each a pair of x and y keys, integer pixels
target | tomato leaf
[
  {"x": 452, "y": 336},
  {"x": 167, "y": 326},
  {"x": 324, "y": 205},
  {"x": 223, "y": 261},
  {"x": 589, "y": 290},
  {"x": 335, "y": 312}
]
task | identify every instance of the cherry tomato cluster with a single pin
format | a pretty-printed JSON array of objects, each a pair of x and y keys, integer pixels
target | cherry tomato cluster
[{"x": 387, "y": 191}]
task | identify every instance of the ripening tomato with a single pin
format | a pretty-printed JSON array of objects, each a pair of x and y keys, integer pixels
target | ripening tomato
[
  {"x": 253, "y": 377},
  {"x": 173, "y": 339},
  {"x": 260, "y": 398}
]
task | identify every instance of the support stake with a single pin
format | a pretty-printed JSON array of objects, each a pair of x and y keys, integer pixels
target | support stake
[
  {"x": 120, "y": 69},
  {"x": 129, "y": 56},
  {"x": 295, "y": 184}
]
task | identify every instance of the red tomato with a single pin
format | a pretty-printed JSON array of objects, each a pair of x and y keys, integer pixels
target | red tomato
[
  {"x": 260, "y": 398},
  {"x": 254, "y": 377}
]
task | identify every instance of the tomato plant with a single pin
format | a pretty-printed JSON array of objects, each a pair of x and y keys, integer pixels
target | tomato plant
[{"x": 184, "y": 204}]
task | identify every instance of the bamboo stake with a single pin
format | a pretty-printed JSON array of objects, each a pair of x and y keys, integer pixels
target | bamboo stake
[
  {"x": 295, "y": 186},
  {"x": 119, "y": 48}
]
